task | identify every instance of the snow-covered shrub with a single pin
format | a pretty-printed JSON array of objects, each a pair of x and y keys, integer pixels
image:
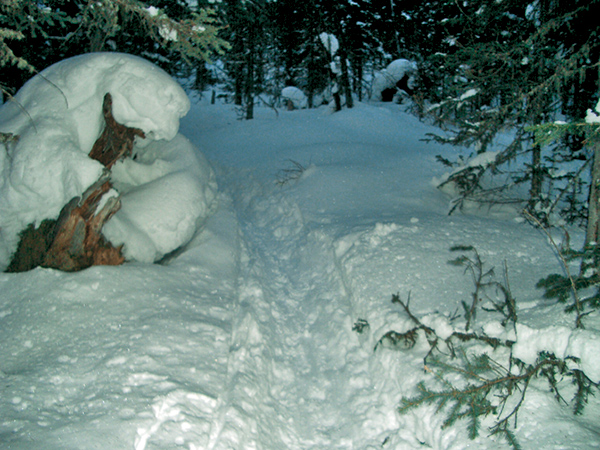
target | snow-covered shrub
[
  {"x": 399, "y": 74},
  {"x": 293, "y": 172},
  {"x": 56, "y": 118}
]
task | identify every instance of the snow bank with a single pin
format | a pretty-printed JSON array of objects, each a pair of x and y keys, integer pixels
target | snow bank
[
  {"x": 57, "y": 116},
  {"x": 392, "y": 74}
]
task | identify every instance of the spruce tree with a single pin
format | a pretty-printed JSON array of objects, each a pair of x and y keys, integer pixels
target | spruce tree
[
  {"x": 36, "y": 34},
  {"x": 507, "y": 68},
  {"x": 248, "y": 32}
]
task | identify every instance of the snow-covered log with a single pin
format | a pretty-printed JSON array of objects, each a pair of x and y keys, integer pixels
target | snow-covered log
[{"x": 78, "y": 242}]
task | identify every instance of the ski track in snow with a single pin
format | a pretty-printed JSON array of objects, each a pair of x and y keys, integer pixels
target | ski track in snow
[{"x": 297, "y": 372}]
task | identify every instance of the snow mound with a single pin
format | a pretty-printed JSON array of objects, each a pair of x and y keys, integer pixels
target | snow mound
[
  {"x": 294, "y": 95},
  {"x": 391, "y": 75},
  {"x": 168, "y": 193},
  {"x": 57, "y": 116}
]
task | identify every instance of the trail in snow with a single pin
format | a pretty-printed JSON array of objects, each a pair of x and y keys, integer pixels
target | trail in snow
[
  {"x": 288, "y": 370},
  {"x": 322, "y": 252}
]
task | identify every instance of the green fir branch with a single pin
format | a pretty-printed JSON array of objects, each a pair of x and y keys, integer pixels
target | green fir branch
[
  {"x": 484, "y": 282},
  {"x": 488, "y": 387},
  {"x": 470, "y": 387}
]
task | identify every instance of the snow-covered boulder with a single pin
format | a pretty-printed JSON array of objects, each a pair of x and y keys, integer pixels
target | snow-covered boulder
[
  {"x": 57, "y": 116},
  {"x": 294, "y": 96},
  {"x": 399, "y": 74}
]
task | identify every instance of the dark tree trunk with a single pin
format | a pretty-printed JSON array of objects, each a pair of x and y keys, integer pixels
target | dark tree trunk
[
  {"x": 311, "y": 74},
  {"x": 358, "y": 67},
  {"x": 593, "y": 225},
  {"x": 537, "y": 177},
  {"x": 238, "y": 97},
  {"x": 250, "y": 85},
  {"x": 344, "y": 78},
  {"x": 337, "y": 100}
]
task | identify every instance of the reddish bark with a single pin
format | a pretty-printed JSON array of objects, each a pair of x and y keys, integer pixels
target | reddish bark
[
  {"x": 116, "y": 141},
  {"x": 78, "y": 242},
  {"x": 74, "y": 241}
]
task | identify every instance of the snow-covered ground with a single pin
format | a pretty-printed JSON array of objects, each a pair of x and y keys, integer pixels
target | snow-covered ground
[{"x": 244, "y": 340}]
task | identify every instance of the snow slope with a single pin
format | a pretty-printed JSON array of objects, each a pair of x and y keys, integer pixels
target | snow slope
[{"x": 245, "y": 340}]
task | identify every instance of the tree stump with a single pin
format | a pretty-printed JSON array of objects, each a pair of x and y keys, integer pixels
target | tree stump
[
  {"x": 116, "y": 141},
  {"x": 74, "y": 241},
  {"x": 77, "y": 239}
]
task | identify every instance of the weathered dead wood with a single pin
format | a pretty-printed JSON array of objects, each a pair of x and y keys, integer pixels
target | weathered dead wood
[
  {"x": 32, "y": 248},
  {"x": 74, "y": 241},
  {"x": 78, "y": 242},
  {"x": 116, "y": 141}
]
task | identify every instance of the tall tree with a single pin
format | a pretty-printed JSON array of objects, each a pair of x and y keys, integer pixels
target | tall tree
[
  {"x": 289, "y": 33},
  {"x": 248, "y": 33}
]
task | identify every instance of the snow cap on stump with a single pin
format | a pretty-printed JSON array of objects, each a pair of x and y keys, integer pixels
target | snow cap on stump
[{"x": 57, "y": 117}]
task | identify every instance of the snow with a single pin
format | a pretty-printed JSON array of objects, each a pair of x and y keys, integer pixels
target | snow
[
  {"x": 562, "y": 342},
  {"x": 470, "y": 93},
  {"x": 330, "y": 42},
  {"x": 295, "y": 95},
  {"x": 244, "y": 339},
  {"x": 167, "y": 33},
  {"x": 592, "y": 116},
  {"x": 58, "y": 117},
  {"x": 394, "y": 72},
  {"x": 153, "y": 11},
  {"x": 168, "y": 192}
]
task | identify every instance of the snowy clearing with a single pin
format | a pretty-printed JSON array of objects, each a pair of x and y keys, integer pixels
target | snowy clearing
[{"x": 245, "y": 339}]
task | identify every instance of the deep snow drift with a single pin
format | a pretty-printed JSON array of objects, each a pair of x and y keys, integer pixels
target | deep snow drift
[{"x": 245, "y": 340}]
